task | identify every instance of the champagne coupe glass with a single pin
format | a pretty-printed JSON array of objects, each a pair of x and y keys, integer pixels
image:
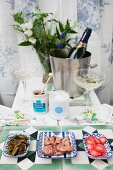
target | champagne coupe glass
[
  {"x": 89, "y": 79},
  {"x": 23, "y": 74}
]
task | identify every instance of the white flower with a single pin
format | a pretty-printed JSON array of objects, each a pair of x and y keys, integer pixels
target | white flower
[
  {"x": 22, "y": 26},
  {"x": 26, "y": 26},
  {"x": 29, "y": 25},
  {"x": 28, "y": 33},
  {"x": 32, "y": 40}
]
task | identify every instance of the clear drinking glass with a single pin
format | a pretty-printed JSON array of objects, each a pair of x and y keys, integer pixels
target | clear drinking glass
[
  {"x": 89, "y": 79},
  {"x": 59, "y": 105},
  {"x": 23, "y": 74}
]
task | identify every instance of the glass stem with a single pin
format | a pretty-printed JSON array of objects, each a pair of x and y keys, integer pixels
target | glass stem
[
  {"x": 87, "y": 97},
  {"x": 24, "y": 87},
  {"x": 59, "y": 127}
]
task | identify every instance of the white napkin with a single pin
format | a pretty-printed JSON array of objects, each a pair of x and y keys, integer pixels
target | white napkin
[
  {"x": 104, "y": 113},
  {"x": 5, "y": 112}
]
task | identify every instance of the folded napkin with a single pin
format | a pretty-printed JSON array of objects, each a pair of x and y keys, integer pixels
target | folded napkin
[
  {"x": 105, "y": 113},
  {"x": 5, "y": 112},
  {"x": 8, "y": 116},
  {"x": 102, "y": 114}
]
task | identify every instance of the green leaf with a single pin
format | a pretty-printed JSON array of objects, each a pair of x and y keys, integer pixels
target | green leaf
[
  {"x": 52, "y": 20},
  {"x": 72, "y": 31},
  {"x": 32, "y": 14},
  {"x": 37, "y": 29},
  {"x": 17, "y": 28},
  {"x": 36, "y": 23},
  {"x": 38, "y": 8},
  {"x": 58, "y": 34},
  {"x": 68, "y": 40},
  {"x": 68, "y": 24},
  {"x": 55, "y": 20},
  {"x": 69, "y": 45},
  {"x": 18, "y": 18},
  {"x": 42, "y": 16},
  {"x": 25, "y": 43},
  {"x": 61, "y": 27}
]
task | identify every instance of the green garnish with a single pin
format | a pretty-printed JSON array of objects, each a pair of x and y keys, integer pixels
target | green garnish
[{"x": 19, "y": 115}]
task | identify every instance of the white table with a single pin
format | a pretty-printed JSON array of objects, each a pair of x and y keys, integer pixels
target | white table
[{"x": 45, "y": 119}]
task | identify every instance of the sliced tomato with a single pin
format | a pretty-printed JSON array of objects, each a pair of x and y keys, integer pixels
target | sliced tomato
[
  {"x": 103, "y": 139},
  {"x": 20, "y": 149},
  {"x": 104, "y": 154},
  {"x": 90, "y": 146},
  {"x": 100, "y": 148},
  {"x": 90, "y": 140},
  {"x": 95, "y": 153},
  {"x": 97, "y": 140}
]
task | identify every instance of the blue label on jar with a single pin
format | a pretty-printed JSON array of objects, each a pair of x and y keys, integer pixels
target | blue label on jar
[
  {"x": 58, "y": 110},
  {"x": 39, "y": 106}
]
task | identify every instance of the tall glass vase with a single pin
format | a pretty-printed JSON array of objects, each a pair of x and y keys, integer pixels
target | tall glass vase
[{"x": 44, "y": 59}]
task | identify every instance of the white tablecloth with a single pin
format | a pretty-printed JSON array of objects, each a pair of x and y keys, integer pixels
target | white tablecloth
[{"x": 45, "y": 119}]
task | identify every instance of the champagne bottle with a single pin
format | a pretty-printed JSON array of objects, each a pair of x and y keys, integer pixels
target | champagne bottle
[{"x": 79, "y": 50}]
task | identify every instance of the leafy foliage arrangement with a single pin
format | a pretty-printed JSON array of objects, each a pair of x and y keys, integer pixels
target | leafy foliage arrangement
[{"x": 43, "y": 33}]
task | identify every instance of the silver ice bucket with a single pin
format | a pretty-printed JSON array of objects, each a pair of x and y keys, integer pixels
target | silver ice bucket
[{"x": 63, "y": 69}]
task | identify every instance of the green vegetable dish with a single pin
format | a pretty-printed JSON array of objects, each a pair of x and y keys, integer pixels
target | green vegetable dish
[{"x": 16, "y": 145}]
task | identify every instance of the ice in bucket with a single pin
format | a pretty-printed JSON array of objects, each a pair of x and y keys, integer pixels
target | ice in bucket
[{"x": 59, "y": 104}]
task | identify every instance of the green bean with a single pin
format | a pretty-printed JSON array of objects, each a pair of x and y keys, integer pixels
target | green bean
[{"x": 15, "y": 150}]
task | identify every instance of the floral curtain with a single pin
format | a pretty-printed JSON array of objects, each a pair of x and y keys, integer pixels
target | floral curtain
[
  {"x": 27, "y": 55},
  {"x": 97, "y": 14},
  {"x": 8, "y": 53}
]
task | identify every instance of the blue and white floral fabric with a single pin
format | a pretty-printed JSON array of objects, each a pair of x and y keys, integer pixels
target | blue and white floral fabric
[
  {"x": 10, "y": 53},
  {"x": 97, "y": 14}
]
